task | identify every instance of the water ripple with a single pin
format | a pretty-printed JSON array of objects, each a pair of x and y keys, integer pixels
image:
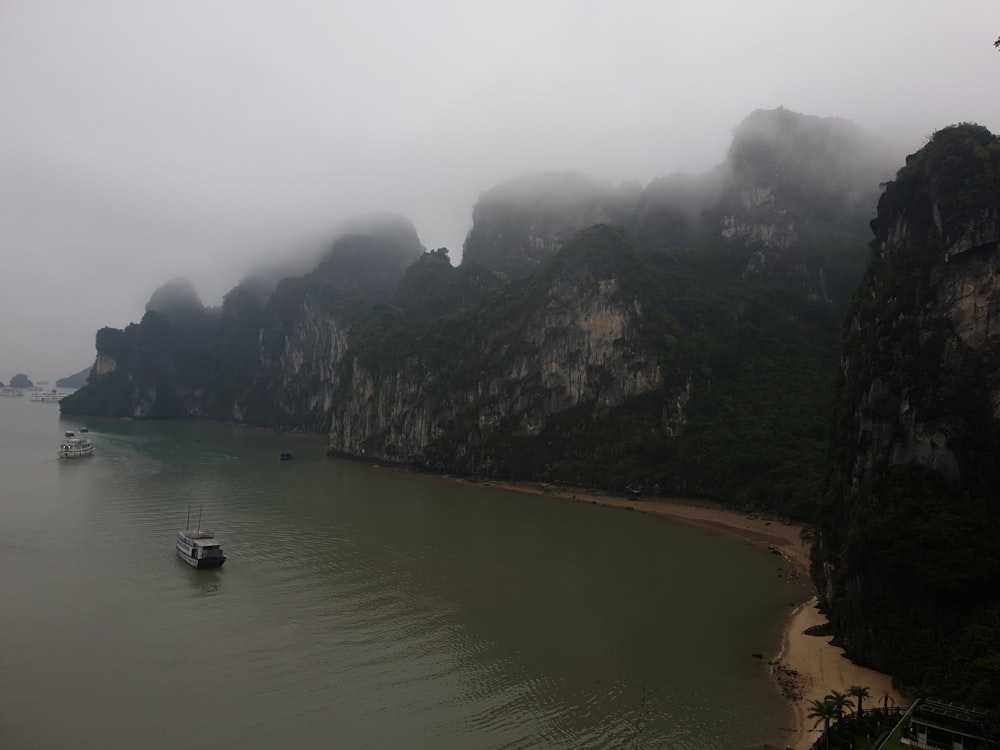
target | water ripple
[{"x": 365, "y": 607}]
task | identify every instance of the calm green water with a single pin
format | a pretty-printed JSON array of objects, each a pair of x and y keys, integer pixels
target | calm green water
[{"x": 359, "y": 608}]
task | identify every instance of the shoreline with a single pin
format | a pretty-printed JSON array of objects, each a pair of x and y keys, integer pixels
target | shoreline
[
  {"x": 805, "y": 667},
  {"x": 819, "y": 668}
]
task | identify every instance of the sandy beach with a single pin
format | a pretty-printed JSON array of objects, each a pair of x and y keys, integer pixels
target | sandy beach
[
  {"x": 804, "y": 667},
  {"x": 816, "y": 668}
]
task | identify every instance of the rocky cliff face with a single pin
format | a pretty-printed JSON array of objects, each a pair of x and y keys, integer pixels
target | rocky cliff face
[
  {"x": 907, "y": 557},
  {"x": 798, "y": 190},
  {"x": 576, "y": 348},
  {"x": 269, "y": 355},
  {"x": 296, "y": 373},
  {"x": 688, "y": 349}
]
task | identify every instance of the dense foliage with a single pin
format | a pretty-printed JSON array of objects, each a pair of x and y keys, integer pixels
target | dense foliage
[
  {"x": 909, "y": 551},
  {"x": 433, "y": 287},
  {"x": 761, "y": 359},
  {"x": 958, "y": 172}
]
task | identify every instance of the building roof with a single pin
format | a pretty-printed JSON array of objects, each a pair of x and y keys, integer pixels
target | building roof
[{"x": 968, "y": 719}]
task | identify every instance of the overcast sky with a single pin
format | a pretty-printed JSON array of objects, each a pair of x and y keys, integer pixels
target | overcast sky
[{"x": 142, "y": 140}]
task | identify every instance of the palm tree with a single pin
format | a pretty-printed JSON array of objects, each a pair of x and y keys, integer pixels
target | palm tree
[
  {"x": 824, "y": 711},
  {"x": 860, "y": 693},
  {"x": 840, "y": 701}
]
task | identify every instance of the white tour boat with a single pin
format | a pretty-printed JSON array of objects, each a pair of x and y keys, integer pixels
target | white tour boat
[
  {"x": 47, "y": 396},
  {"x": 8, "y": 391},
  {"x": 199, "y": 549},
  {"x": 75, "y": 447}
]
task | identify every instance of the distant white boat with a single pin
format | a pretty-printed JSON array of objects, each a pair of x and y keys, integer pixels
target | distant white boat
[
  {"x": 75, "y": 447},
  {"x": 47, "y": 396},
  {"x": 7, "y": 391}
]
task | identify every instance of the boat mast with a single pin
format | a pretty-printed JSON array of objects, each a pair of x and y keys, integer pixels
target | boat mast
[{"x": 187, "y": 524}]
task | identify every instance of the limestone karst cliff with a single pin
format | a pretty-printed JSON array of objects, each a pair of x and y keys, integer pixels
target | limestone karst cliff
[
  {"x": 787, "y": 201},
  {"x": 666, "y": 339},
  {"x": 569, "y": 342},
  {"x": 908, "y": 553},
  {"x": 267, "y": 356}
]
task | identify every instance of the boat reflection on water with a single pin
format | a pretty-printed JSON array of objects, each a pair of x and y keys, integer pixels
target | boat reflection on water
[{"x": 206, "y": 583}]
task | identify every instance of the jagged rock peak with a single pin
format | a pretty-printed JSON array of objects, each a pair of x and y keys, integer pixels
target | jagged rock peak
[
  {"x": 371, "y": 255},
  {"x": 546, "y": 190},
  {"x": 792, "y": 187},
  {"x": 946, "y": 197},
  {"x": 389, "y": 226},
  {"x": 176, "y": 296},
  {"x": 790, "y": 152},
  {"x": 784, "y": 126},
  {"x": 520, "y": 223}
]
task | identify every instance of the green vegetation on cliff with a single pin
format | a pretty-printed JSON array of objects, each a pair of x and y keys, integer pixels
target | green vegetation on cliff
[
  {"x": 684, "y": 338},
  {"x": 184, "y": 360},
  {"x": 757, "y": 358},
  {"x": 908, "y": 556},
  {"x": 681, "y": 338}
]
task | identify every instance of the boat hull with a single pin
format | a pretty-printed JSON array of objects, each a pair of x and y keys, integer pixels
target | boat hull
[
  {"x": 76, "y": 448},
  {"x": 205, "y": 563},
  {"x": 199, "y": 550}
]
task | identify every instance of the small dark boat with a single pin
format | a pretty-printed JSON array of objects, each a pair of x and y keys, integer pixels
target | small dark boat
[{"x": 286, "y": 457}]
